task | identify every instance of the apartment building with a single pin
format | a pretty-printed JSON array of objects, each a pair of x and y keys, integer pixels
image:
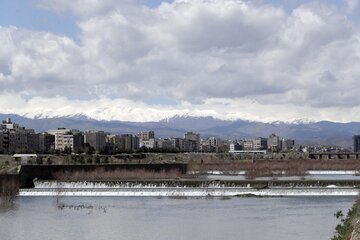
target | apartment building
[
  {"x": 96, "y": 139},
  {"x": 66, "y": 139},
  {"x": 191, "y": 142},
  {"x": 14, "y": 137}
]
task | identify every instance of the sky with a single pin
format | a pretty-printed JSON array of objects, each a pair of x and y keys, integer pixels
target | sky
[{"x": 138, "y": 60}]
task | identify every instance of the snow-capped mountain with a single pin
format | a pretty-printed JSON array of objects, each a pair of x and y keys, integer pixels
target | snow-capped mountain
[{"x": 323, "y": 132}]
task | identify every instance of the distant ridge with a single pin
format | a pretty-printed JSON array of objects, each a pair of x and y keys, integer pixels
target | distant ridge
[{"x": 304, "y": 132}]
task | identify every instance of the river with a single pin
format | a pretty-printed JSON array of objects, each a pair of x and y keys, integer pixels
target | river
[
  {"x": 295, "y": 218},
  {"x": 306, "y": 177}
]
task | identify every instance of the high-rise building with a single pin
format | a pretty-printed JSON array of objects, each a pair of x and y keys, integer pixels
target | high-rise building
[
  {"x": 212, "y": 144},
  {"x": 151, "y": 143},
  {"x": 260, "y": 143},
  {"x": 235, "y": 146},
  {"x": 78, "y": 142},
  {"x": 115, "y": 142},
  {"x": 68, "y": 139},
  {"x": 287, "y": 144},
  {"x": 1, "y": 141},
  {"x": 33, "y": 142},
  {"x": 147, "y": 139},
  {"x": 62, "y": 138},
  {"x": 178, "y": 143},
  {"x": 97, "y": 140},
  {"x": 273, "y": 143},
  {"x": 356, "y": 142},
  {"x": 131, "y": 142},
  {"x": 165, "y": 143},
  {"x": 248, "y": 145},
  {"x": 145, "y": 136},
  {"x": 191, "y": 142},
  {"x": 47, "y": 142},
  {"x": 14, "y": 137}
]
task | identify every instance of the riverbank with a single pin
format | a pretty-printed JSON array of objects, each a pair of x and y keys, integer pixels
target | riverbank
[
  {"x": 349, "y": 226},
  {"x": 354, "y": 216}
]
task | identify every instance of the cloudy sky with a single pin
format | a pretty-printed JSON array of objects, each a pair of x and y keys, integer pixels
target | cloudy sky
[{"x": 148, "y": 60}]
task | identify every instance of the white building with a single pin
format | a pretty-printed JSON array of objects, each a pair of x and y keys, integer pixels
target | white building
[
  {"x": 67, "y": 139},
  {"x": 248, "y": 145},
  {"x": 235, "y": 146},
  {"x": 260, "y": 143},
  {"x": 151, "y": 143},
  {"x": 147, "y": 139}
]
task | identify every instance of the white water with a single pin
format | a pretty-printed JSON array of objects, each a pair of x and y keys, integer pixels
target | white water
[
  {"x": 332, "y": 172},
  {"x": 193, "y": 192},
  {"x": 53, "y": 188},
  {"x": 311, "y": 172}
]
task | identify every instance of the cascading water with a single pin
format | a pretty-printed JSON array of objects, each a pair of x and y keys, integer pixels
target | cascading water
[{"x": 55, "y": 188}]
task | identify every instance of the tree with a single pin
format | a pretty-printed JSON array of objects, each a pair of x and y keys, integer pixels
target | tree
[
  {"x": 106, "y": 160},
  {"x": 39, "y": 160},
  {"x": 48, "y": 161},
  {"x": 97, "y": 159},
  {"x": 67, "y": 150}
]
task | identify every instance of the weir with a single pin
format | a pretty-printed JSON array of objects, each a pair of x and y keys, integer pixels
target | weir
[
  {"x": 43, "y": 181},
  {"x": 191, "y": 192},
  {"x": 54, "y": 188}
]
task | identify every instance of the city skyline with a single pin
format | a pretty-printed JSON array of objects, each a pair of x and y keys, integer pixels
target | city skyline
[
  {"x": 150, "y": 60},
  {"x": 15, "y": 138}
]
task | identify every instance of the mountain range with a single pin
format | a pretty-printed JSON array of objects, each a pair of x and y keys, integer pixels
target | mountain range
[{"x": 323, "y": 132}]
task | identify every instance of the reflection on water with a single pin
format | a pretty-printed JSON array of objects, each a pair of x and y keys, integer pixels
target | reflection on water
[
  {"x": 10, "y": 207},
  {"x": 166, "y": 218}
]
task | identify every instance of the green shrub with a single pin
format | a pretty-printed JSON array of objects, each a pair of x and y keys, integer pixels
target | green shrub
[{"x": 345, "y": 228}]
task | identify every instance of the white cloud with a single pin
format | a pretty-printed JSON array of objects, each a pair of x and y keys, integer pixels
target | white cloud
[
  {"x": 250, "y": 57},
  {"x": 351, "y": 5},
  {"x": 80, "y": 8}
]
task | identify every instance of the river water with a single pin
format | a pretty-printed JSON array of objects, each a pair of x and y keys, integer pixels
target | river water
[
  {"x": 306, "y": 177},
  {"x": 295, "y": 218}
]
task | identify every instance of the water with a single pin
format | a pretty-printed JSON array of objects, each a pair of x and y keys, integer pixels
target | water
[
  {"x": 295, "y": 218},
  {"x": 306, "y": 177}
]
